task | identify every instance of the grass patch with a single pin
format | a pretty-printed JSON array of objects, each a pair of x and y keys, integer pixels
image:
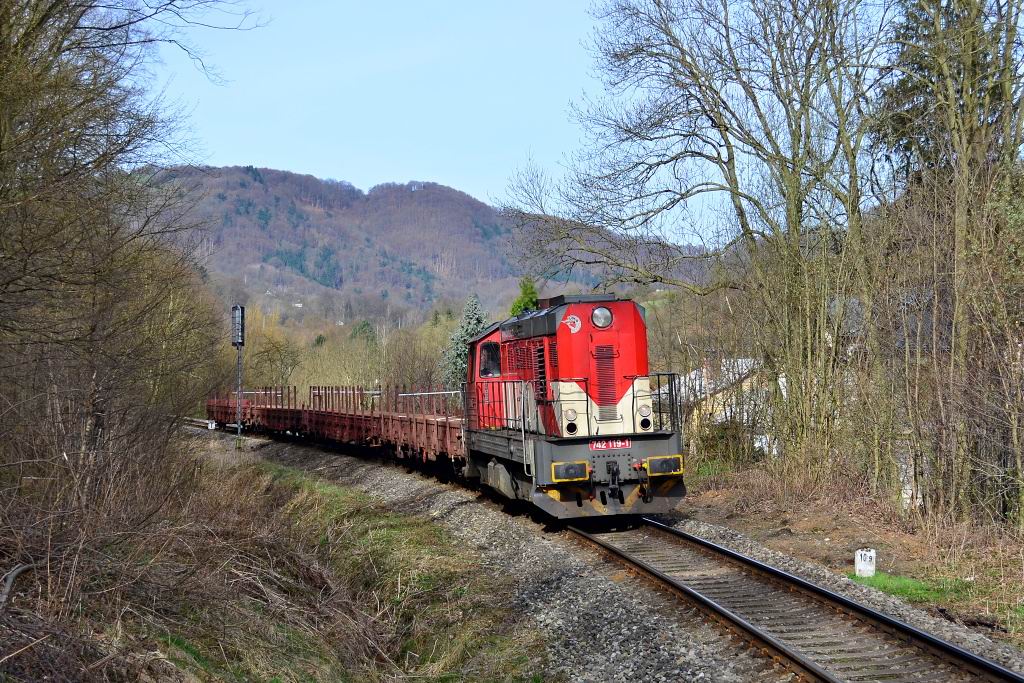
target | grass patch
[
  {"x": 266, "y": 573},
  {"x": 915, "y": 590},
  {"x": 357, "y": 593},
  {"x": 708, "y": 468},
  {"x": 178, "y": 644},
  {"x": 707, "y": 471}
]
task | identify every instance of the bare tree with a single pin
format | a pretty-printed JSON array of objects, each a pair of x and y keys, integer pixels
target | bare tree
[
  {"x": 845, "y": 170},
  {"x": 106, "y": 336},
  {"x": 746, "y": 122}
]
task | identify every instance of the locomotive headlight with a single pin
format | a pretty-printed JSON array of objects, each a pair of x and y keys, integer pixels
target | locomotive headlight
[
  {"x": 644, "y": 410},
  {"x": 570, "y": 415},
  {"x": 570, "y": 471},
  {"x": 664, "y": 465},
  {"x": 601, "y": 317}
]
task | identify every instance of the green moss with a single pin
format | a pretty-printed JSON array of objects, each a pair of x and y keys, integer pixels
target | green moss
[
  {"x": 180, "y": 644},
  {"x": 915, "y": 590}
]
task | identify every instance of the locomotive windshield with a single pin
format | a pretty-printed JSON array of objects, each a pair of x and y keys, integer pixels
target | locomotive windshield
[{"x": 490, "y": 360}]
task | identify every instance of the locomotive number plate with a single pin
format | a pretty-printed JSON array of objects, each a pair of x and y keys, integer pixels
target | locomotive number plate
[{"x": 610, "y": 444}]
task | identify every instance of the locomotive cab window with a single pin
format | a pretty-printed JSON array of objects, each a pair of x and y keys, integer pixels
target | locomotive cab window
[{"x": 490, "y": 360}]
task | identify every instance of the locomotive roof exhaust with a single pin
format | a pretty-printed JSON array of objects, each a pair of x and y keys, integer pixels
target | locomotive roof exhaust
[{"x": 576, "y": 299}]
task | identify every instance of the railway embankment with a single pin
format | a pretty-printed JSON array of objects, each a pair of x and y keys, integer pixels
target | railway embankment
[
  {"x": 597, "y": 622},
  {"x": 269, "y": 573},
  {"x": 588, "y": 619},
  {"x": 395, "y": 595}
]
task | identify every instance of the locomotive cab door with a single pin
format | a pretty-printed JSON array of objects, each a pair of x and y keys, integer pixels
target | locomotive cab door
[{"x": 485, "y": 378}]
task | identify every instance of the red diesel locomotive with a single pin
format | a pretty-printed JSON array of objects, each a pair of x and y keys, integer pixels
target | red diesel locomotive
[{"x": 559, "y": 409}]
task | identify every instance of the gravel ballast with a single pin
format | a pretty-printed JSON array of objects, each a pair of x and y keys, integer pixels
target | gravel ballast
[
  {"x": 966, "y": 638},
  {"x": 599, "y": 622}
]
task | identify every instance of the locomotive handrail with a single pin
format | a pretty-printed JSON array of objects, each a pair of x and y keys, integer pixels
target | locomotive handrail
[
  {"x": 504, "y": 404},
  {"x": 658, "y": 399},
  {"x": 527, "y": 453}
]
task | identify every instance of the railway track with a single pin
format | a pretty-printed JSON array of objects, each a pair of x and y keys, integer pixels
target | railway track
[{"x": 816, "y": 633}]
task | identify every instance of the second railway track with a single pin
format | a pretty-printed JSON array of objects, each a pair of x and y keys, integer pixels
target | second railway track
[{"x": 818, "y": 634}]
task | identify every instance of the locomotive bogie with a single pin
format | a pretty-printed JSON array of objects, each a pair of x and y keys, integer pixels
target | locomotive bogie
[{"x": 631, "y": 499}]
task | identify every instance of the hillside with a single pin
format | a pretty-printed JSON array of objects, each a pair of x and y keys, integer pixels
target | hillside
[{"x": 281, "y": 239}]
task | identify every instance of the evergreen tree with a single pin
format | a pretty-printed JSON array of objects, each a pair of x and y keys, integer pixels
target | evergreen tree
[
  {"x": 946, "y": 81},
  {"x": 527, "y": 299},
  {"x": 454, "y": 361},
  {"x": 364, "y": 331}
]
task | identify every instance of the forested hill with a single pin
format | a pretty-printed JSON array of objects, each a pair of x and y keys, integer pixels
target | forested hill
[{"x": 279, "y": 239}]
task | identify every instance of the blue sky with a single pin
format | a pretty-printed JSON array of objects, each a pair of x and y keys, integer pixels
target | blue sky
[{"x": 460, "y": 93}]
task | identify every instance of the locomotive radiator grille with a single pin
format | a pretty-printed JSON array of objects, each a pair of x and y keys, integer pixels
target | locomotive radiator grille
[
  {"x": 606, "y": 403},
  {"x": 540, "y": 374},
  {"x": 519, "y": 358}
]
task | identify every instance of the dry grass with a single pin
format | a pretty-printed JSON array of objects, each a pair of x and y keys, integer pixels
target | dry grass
[
  {"x": 267, "y": 574},
  {"x": 988, "y": 562},
  {"x": 775, "y": 483}
]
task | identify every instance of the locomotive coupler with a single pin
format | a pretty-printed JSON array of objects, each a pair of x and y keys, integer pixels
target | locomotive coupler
[
  {"x": 613, "y": 478},
  {"x": 645, "y": 483}
]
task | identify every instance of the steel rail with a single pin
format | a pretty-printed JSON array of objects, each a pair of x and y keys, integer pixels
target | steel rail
[
  {"x": 943, "y": 648},
  {"x": 781, "y": 652}
]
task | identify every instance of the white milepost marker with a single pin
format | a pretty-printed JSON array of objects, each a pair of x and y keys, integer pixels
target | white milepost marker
[{"x": 864, "y": 562}]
